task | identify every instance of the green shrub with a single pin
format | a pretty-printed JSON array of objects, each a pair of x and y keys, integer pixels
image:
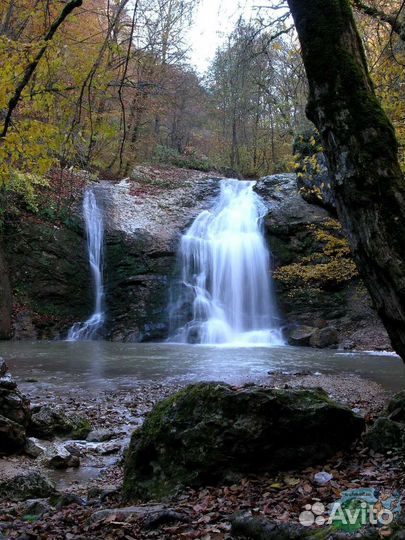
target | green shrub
[{"x": 189, "y": 160}]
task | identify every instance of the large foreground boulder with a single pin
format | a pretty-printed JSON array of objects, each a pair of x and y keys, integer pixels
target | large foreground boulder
[
  {"x": 209, "y": 432},
  {"x": 14, "y": 413}
]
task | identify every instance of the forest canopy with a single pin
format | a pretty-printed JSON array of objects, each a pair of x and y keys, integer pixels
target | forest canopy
[{"x": 113, "y": 87}]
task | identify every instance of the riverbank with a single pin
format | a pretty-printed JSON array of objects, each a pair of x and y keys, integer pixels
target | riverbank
[{"x": 204, "y": 513}]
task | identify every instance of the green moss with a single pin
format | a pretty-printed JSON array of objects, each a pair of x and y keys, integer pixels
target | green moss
[
  {"x": 81, "y": 428},
  {"x": 202, "y": 433}
]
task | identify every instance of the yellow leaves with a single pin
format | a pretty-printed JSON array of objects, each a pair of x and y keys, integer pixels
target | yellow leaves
[
  {"x": 328, "y": 265},
  {"x": 25, "y": 156},
  {"x": 26, "y": 184},
  {"x": 335, "y": 272}
]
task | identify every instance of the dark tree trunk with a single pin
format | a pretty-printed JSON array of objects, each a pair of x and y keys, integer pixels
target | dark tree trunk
[{"x": 361, "y": 147}]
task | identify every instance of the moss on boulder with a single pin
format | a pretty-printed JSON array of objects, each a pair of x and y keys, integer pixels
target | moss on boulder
[
  {"x": 384, "y": 435},
  {"x": 209, "y": 432},
  {"x": 388, "y": 431},
  {"x": 46, "y": 422}
]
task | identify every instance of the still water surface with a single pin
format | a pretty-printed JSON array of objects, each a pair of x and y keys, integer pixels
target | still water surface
[{"x": 95, "y": 364}]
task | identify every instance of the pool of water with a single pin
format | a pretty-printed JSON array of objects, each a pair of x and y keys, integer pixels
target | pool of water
[{"x": 91, "y": 365}]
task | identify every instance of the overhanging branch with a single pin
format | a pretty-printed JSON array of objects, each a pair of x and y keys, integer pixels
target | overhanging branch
[{"x": 30, "y": 69}]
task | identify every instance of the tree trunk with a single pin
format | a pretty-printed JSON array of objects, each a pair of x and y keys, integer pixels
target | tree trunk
[{"x": 361, "y": 147}]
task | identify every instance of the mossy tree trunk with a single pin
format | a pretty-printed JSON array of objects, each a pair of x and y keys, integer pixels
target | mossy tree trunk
[{"x": 361, "y": 147}]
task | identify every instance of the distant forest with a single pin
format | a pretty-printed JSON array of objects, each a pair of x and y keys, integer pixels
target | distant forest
[{"x": 104, "y": 85}]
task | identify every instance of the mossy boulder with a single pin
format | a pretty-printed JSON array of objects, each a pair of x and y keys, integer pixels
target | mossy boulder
[
  {"x": 324, "y": 337},
  {"x": 210, "y": 432},
  {"x": 388, "y": 432},
  {"x": 17, "y": 485},
  {"x": 384, "y": 435},
  {"x": 396, "y": 407},
  {"x": 47, "y": 422},
  {"x": 300, "y": 335}
]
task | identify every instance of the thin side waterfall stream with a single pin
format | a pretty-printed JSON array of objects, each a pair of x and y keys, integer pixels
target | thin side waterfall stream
[
  {"x": 225, "y": 292},
  {"x": 93, "y": 218}
]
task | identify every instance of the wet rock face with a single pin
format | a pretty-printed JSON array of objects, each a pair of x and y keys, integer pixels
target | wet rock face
[
  {"x": 315, "y": 275},
  {"x": 145, "y": 218},
  {"x": 49, "y": 276},
  {"x": 210, "y": 431},
  {"x": 288, "y": 211},
  {"x": 14, "y": 413}
]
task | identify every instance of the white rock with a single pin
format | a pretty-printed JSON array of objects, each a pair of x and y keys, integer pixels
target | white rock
[
  {"x": 322, "y": 477},
  {"x": 34, "y": 447}
]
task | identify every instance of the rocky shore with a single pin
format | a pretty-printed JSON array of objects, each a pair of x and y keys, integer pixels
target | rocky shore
[{"x": 44, "y": 494}]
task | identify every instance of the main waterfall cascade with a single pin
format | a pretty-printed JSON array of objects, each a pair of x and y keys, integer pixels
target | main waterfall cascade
[
  {"x": 93, "y": 217},
  {"x": 225, "y": 274}
]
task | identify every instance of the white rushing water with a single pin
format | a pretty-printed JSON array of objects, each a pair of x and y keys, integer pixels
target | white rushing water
[
  {"x": 93, "y": 218},
  {"x": 225, "y": 274}
]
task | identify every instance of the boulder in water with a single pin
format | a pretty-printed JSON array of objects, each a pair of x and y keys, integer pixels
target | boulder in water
[
  {"x": 301, "y": 335},
  {"x": 52, "y": 454},
  {"x": 14, "y": 413},
  {"x": 102, "y": 435},
  {"x": 209, "y": 432}
]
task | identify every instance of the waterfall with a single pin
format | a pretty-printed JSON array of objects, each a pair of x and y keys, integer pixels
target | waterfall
[
  {"x": 225, "y": 291},
  {"x": 93, "y": 218}
]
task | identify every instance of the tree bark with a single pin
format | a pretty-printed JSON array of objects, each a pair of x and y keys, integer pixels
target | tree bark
[{"x": 360, "y": 144}]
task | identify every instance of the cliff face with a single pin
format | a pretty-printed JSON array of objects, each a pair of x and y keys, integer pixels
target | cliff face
[
  {"x": 316, "y": 280},
  {"x": 145, "y": 219},
  {"x": 49, "y": 276}
]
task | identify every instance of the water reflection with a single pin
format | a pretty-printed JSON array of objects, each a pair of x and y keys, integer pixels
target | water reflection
[{"x": 97, "y": 364}]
